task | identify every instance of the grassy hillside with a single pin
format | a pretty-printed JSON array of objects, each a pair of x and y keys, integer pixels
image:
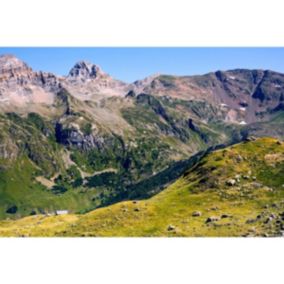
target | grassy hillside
[
  {"x": 63, "y": 162},
  {"x": 237, "y": 191},
  {"x": 21, "y": 191}
]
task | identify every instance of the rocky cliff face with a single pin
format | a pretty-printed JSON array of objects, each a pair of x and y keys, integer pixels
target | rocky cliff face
[
  {"x": 23, "y": 90},
  {"x": 10, "y": 67}
]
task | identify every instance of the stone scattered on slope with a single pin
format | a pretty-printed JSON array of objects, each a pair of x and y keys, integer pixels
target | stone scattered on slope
[
  {"x": 196, "y": 214},
  {"x": 212, "y": 219},
  {"x": 231, "y": 182},
  {"x": 223, "y": 216},
  {"x": 171, "y": 228},
  {"x": 12, "y": 210}
]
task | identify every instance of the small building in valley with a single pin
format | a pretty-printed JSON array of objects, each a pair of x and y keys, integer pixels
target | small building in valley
[{"x": 61, "y": 212}]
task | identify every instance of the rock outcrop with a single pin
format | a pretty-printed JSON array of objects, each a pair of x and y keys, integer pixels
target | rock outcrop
[{"x": 84, "y": 70}]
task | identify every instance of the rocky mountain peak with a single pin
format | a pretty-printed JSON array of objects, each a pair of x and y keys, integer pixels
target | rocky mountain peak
[
  {"x": 85, "y": 70},
  {"x": 11, "y": 65}
]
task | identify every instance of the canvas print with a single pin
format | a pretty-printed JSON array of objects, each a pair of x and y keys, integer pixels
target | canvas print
[{"x": 141, "y": 142}]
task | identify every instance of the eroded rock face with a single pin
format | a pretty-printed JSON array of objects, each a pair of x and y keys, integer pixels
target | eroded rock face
[
  {"x": 21, "y": 87},
  {"x": 74, "y": 137},
  {"x": 11, "y": 66},
  {"x": 48, "y": 81},
  {"x": 16, "y": 73},
  {"x": 8, "y": 151}
]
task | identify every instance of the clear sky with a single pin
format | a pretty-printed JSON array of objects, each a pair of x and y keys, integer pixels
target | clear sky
[{"x": 130, "y": 64}]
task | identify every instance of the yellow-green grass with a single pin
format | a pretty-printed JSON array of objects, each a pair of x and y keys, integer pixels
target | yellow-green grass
[
  {"x": 18, "y": 186},
  {"x": 203, "y": 188}
]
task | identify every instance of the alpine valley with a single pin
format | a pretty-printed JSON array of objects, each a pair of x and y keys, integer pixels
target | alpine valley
[{"x": 89, "y": 155}]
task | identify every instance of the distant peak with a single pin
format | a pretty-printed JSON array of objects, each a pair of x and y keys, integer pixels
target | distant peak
[
  {"x": 9, "y": 62},
  {"x": 85, "y": 70},
  {"x": 149, "y": 78}
]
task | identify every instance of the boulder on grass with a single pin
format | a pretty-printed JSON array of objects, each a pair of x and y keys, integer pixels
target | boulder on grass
[
  {"x": 12, "y": 210},
  {"x": 171, "y": 228},
  {"x": 231, "y": 182},
  {"x": 196, "y": 214},
  {"x": 212, "y": 219}
]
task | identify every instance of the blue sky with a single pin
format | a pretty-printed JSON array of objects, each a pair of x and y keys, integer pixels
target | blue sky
[{"x": 130, "y": 64}]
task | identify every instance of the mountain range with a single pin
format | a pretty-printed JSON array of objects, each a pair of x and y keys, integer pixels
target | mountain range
[{"x": 86, "y": 140}]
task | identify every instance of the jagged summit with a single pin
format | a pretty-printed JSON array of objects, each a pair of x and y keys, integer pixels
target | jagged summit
[
  {"x": 87, "y": 81},
  {"x": 22, "y": 89},
  {"x": 85, "y": 70},
  {"x": 10, "y": 63}
]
